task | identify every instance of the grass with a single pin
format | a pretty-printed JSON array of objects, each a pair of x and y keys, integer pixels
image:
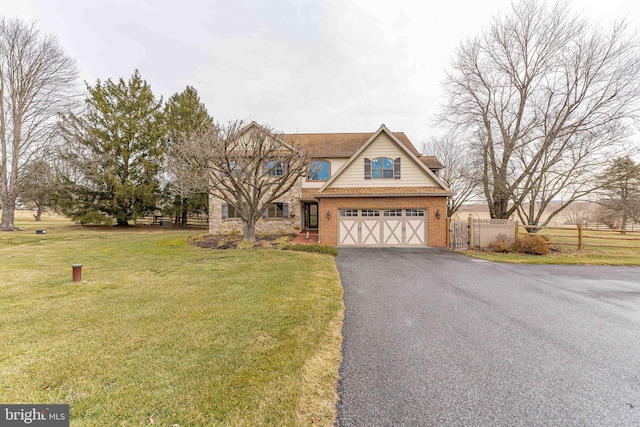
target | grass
[
  {"x": 565, "y": 244},
  {"x": 163, "y": 333}
]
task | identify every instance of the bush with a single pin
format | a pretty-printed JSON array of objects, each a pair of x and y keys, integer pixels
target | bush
[
  {"x": 244, "y": 245},
  {"x": 502, "y": 243},
  {"x": 283, "y": 240},
  {"x": 534, "y": 245},
  {"x": 328, "y": 250},
  {"x": 92, "y": 218}
]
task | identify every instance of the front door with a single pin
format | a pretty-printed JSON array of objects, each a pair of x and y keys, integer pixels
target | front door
[{"x": 311, "y": 215}]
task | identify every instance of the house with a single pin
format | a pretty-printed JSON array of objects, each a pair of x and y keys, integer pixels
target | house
[{"x": 364, "y": 189}]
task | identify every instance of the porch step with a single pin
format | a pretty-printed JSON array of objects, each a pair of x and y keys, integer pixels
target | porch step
[{"x": 302, "y": 238}]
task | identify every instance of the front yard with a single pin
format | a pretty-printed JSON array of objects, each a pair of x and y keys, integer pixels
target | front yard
[{"x": 163, "y": 333}]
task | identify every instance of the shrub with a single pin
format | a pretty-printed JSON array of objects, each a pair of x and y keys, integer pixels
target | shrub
[
  {"x": 243, "y": 245},
  {"x": 534, "y": 245},
  {"x": 92, "y": 218},
  {"x": 328, "y": 250},
  {"x": 234, "y": 232},
  {"x": 502, "y": 243},
  {"x": 282, "y": 240}
]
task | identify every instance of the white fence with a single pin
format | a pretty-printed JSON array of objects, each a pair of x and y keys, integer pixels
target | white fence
[
  {"x": 485, "y": 231},
  {"x": 479, "y": 232}
]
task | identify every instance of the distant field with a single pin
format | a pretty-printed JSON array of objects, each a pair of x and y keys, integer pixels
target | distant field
[{"x": 163, "y": 333}]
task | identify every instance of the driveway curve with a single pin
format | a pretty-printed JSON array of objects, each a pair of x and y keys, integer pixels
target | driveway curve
[{"x": 432, "y": 337}]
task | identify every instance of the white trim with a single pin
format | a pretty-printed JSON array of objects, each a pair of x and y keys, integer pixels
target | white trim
[{"x": 403, "y": 147}]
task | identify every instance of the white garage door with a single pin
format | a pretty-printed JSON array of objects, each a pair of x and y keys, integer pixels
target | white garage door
[{"x": 388, "y": 227}]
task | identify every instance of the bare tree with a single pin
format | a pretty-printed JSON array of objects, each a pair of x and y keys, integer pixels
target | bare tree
[
  {"x": 248, "y": 166},
  {"x": 578, "y": 213},
  {"x": 551, "y": 98},
  {"x": 460, "y": 171},
  {"x": 36, "y": 83}
]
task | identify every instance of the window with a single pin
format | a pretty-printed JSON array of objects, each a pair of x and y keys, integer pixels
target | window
[
  {"x": 235, "y": 167},
  {"x": 414, "y": 212},
  {"x": 319, "y": 170},
  {"x": 370, "y": 213},
  {"x": 382, "y": 168},
  {"x": 274, "y": 168},
  {"x": 276, "y": 211},
  {"x": 349, "y": 212},
  {"x": 393, "y": 212},
  {"x": 229, "y": 212}
]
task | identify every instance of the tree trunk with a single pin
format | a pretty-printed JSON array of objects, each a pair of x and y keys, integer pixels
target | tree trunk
[
  {"x": 122, "y": 222},
  {"x": 39, "y": 215},
  {"x": 248, "y": 231},
  {"x": 185, "y": 211},
  {"x": 8, "y": 215}
]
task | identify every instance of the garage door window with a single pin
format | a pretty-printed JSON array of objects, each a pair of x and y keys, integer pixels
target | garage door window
[
  {"x": 414, "y": 212},
  {"x": 349, "y": 212},
  {"x": 393, "y": 212},
  {"x": 370, "y": 213}
]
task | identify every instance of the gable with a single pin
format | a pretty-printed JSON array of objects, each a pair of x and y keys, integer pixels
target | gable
[{"x": 413, "y": 174}]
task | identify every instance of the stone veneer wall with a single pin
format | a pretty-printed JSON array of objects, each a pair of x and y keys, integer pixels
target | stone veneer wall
[
  {"x": 217, "y": 225},
  {"x": 437, "y": 228}
]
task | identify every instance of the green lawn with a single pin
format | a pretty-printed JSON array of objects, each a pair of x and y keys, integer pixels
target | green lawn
[{"x": 163, "y": 333}]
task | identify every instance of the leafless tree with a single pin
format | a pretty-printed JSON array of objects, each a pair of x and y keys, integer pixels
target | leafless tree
[
  {"x": 248, "y": 166},
  {"x": 578, "y": 213},
  {"x": 460, "y": 171},
  {"x": 551, "y": 97},
  {"x": 37, "y": 81}
]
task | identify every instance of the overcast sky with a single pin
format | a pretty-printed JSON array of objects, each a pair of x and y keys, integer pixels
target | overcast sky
[{"x": 299, "y": 65}]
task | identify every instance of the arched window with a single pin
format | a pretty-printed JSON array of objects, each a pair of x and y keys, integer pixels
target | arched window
[{"x": 319, "y": 170}]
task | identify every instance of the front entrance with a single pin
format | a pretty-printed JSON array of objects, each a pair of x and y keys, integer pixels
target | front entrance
[{"x": 310, "y": 216}]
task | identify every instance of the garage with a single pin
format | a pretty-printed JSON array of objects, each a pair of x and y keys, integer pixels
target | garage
[{"x": 387, "y": 227}]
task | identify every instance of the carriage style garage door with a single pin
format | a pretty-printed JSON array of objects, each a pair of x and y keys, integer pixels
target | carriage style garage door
[{"x": 389, "y": 227}]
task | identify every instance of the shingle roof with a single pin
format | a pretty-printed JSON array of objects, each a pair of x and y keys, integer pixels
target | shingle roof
[
  {"x": 337, "y": 144},
  {"x": 346, "y": 144},
  {"x": 432, "y": 162},
  {"x": 308, "y": 193}
]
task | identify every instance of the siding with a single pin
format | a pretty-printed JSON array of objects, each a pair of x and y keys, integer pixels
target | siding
[
  {"x": 336, "y": 164},
  {"x": 412, "y": 175}
]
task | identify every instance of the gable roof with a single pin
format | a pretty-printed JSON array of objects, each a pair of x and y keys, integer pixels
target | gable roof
[
  {"x": 264, "y": 130},
  {"x": 320, "y": 145},
  {"x": 337, "y": 144},
  {"x": 402, "y": 145}
]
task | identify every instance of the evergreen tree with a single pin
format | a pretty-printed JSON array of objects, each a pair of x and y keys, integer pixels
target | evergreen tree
[
  {"x": 620, "y": 197},
  {"x": 117, "y": 148},
  {"x": 186, "y": 116}
]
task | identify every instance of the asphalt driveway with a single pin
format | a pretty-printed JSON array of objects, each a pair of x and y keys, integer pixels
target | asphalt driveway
[{"x": 436, "y": 338}]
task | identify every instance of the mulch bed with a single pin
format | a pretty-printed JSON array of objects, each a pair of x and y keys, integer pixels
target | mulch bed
[{"x": 211, "y": 241}]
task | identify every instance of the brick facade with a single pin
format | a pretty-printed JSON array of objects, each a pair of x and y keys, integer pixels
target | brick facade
[{"x": 437, "y": 228}]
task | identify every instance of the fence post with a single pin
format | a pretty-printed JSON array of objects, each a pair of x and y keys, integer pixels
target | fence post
[
  {"x": 579, "y": 237},
  {"x": 448, "y": 238},
  {"x": 515, "y": 232},
  {"x": 470, "y": 231}
]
